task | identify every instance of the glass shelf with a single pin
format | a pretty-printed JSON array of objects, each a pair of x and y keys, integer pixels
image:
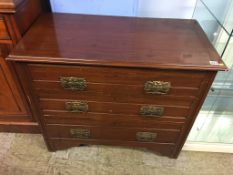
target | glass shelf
[
  {"x": 218, "y": 35},
  {"x": 222, "y": 10},
  {"x": 214, "y": 123}
]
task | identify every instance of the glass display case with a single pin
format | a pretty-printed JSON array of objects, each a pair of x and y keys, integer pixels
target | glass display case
[{"x": 215, "y": 121}]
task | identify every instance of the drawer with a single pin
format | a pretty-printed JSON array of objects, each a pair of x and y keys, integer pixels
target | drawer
[
  {"x": 113, "y": 133},
  {"x": 106, "y": 120},
  {"x": 47, "y": 88},
  {"x": 76, "y": 107},
  {"x": 3, "y": 30},
  {"x": 125, "y": 76},
  {"x": 162, "y": 148},
  {"x": 180, "y": 102}
]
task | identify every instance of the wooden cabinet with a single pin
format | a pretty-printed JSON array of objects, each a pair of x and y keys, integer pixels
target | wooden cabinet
[
  {"x": 115, "y": 80},
  {"x": 4, "y": 35},
  {"x": 8, "y": 103},
  {"x": 16, "y": 16},
  {"x": 10, "y": 99}
]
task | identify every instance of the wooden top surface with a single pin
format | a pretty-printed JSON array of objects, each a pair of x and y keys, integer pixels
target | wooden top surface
[
  {"x": 118, "y": 41},
  {"x": 9, "y": 6}
]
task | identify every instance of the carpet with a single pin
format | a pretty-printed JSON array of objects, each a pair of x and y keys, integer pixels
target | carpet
[{"x": 26, "y": 154}]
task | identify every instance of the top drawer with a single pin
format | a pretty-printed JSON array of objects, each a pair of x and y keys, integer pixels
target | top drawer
[
  {"x": 3, "y": 30},
  {"x": 126, "y": 76}
]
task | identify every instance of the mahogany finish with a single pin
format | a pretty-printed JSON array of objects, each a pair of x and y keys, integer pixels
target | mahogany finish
[
  {"x": 10, "y": 102},
  {"x": 4, "y": 35},
  {"x": 114, "y": 107},
  {"x": 16, "y": 16},
  {"x": 111, "y": 59},
  {"x": 135, "y": 42},
  {"x": 118, "y": 76},
  {"x": 10, "y": 6},
  {"x": 117, "y": 120},
  {"x": 113, "y": 133}
]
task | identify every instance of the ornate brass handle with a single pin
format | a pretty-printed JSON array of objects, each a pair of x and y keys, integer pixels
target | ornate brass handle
[
  {"x": 76, "y": 106},
  {"x": 153, "y": 111},
  {"x": 157, "y": 87},
  {"x": 73, "y": 83},
  {"x": 80, "y": 133},
  {"x": 146, "y": 136}
]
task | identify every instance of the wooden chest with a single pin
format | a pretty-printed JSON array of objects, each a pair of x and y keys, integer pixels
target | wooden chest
[{"x": 115, "y": 80}]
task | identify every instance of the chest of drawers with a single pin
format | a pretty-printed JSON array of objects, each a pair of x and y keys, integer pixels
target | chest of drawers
[{"x": 115, "y": 80}]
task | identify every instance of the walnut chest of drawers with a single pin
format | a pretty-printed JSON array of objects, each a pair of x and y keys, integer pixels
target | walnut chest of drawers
[{"x": 120, "y": 81}]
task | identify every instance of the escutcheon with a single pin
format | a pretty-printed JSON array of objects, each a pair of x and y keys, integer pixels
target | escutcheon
[
  {"x": 146, "y": 136},
  {"x": 153, "y": 111},
  {"x": 76, "y": 106},
  {"x": 73, "y": 83},
  {"x": 80, "y": 133},
  {"x": 157, "y": 87}
]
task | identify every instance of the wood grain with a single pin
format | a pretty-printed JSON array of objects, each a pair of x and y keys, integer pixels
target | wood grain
[
  {"x": 16, "y": 16},
  {"x": 116, "y": 120},
  {"x": 111, "y": 75},
  {"x": 7, "y": 101},
  {"x": 54, "y": 88},
  {"x": 116, "y": 56},
  {"x": 4, "y": 35},
  {"x": 9, "y": 6},
  {"x": 118, "y": 41},
  {"x": 22, "y": 17},
  {"x": 115, "y": 108},
  {"x": 113, "y": 133}
]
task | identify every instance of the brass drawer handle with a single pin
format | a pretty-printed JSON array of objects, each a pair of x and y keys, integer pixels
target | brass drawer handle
[
  {"x": 146, "y": 136},
  {"x": 73, "y": 83},
  {"x": 80, "y": 133},
  {"x": 157, "y": 87},
  {"x": 153, "y": 111},
  {"x": 76, "y": 106}
]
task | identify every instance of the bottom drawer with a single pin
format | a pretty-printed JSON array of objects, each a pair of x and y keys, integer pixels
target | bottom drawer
[
  {"x": 165, "y": 149},
  {"x": 113, "y": 133}
]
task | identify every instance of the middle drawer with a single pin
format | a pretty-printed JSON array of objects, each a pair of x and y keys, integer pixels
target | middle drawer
[{"x": 80, "y": 107}]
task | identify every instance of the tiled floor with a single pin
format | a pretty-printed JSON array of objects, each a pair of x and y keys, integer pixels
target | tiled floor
[{"x": 26, "y": 154}]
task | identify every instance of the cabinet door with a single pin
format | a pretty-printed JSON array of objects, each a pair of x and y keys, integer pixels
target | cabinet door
[
  {"x": 7, "y": 102},
  {"x": 10, "y": 100}
]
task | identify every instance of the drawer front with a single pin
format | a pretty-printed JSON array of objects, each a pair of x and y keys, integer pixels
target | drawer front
[
  {"x": 3, "y": 30},
  {"x": 46, "y": 88},
  {"x": 163, "y": 148},
  {"x": 125, "y": 76},
  {"x": 118, "y": 85},
  {"x": 123, "y": 134},
  {"x": 106, "y": 120},
  {"x": 183, "y": 102},
  {"x": 142, "y": 110}
]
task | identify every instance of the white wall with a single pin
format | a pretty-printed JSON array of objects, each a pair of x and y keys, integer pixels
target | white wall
[
  {"x": 145, "y": 8},
  {"x": 99, "y": 7},
  {"x": 166, "y": 8}
]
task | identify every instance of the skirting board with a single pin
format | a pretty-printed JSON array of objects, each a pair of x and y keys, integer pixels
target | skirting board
[{"x": 208, "y": 147}]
